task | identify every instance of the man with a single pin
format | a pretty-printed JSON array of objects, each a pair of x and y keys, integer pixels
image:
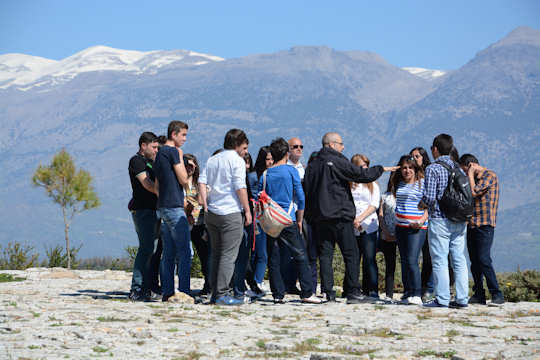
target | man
[
  {"x": 224, "y": 196},
  {"x": 143, "y": 212},
  {"x": 171, "y": 176},
  {"x": 330, "y": 207},
  {"x": 444, "y": 236},
  {"x": 481, "y": 227}
]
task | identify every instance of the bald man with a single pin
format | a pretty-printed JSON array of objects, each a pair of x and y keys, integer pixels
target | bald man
[{"x": 331, "y": 211}]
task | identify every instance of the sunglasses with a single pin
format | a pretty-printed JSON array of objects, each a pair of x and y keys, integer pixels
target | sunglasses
[{"x": 297, "y": 146}]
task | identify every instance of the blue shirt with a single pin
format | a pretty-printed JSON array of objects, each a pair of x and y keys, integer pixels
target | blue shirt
[
  {"x": 171, "y": 194},
  {"x": 282, "y": 184},
  {"x": 435, "y": 182}
]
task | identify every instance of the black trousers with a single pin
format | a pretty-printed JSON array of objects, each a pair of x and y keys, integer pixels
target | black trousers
[
  {"x": 388, "y": 249},
  {"x": 203, "y": 251},
  {"x": 342, "y": 233}
]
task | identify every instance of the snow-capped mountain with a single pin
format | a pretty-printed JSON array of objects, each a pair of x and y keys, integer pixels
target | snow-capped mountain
[
  {"x": 426, "y": 74},
  {"x": 26, "y": 72}
]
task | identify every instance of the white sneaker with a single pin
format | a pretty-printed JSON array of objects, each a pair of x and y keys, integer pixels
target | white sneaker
[
  {"x": 312, "y": 300},
  {"x": 414, "y": 300},
  {"x": 262, "y": 287}
]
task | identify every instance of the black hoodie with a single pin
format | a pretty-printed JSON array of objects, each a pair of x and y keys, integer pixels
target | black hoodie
[{"x": 327, "y": 186}]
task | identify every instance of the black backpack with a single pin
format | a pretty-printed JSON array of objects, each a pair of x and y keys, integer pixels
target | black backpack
[{"x": 457, "y": 201}]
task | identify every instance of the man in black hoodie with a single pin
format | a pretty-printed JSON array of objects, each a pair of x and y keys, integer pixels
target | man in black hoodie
[{"x": 330, "y": 209}]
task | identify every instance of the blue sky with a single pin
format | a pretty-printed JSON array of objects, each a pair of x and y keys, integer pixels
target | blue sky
[{"x": 432, "y": 34}]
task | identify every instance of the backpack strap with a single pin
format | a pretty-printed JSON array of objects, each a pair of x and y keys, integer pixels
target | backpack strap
[
  {"x": 444, "y": 165},
  {"x": 264, "y": 189}
]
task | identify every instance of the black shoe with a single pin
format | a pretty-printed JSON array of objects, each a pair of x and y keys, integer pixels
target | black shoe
[
  {"x": 456, "y": 305},
  {"x": 357, "y": 299},
  {"x": 330, "y": 297},
  {"x": 279, "y": 301},
  {"x": 293, "y": 291},
  {"x": 137, "y": 295},
  {"x": 166, "y": 297},
  {"x": 497, "y": 300},
  {"x": 475, "y": 299}
]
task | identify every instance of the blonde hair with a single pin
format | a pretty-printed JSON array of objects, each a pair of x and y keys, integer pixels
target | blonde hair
[{"x": 356, "y": 159}]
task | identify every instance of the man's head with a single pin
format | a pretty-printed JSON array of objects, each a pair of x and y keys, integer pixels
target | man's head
[
  {"x": 279, "y": 149},
  {"x": 334, "y": 141},
  {"x": 177, "y": 132},
  {"x": 148, "y": 145},
  {"x": 296, "y": 149},
  {"x": 466, "y": 160},
  {"x": 442, "y": 145},
  {"x": 236, "y": 140}
]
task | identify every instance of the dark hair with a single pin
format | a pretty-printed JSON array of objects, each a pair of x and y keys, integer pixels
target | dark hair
[
  {"x": 217, "y": 152},
  {"x": 424, "y": 154},
  {"x": 162, "y": 139},
  {"x": 260, "y": 163},
  {"x": 396, "y": 176},
  {"x": 279, "y": 149},
  {"x": 175, "y": 126},
  {"x": 312, "y": 156},
  {"x": 454, "y": 154},
  {"x": 147, "y": 137},
  {"x": 390, "y": 187},
  {"x": 249, "y": 161},
  {"x": 234, "y": 138},
  {"x": 192, "y": 157},
  {"x": 466, "y": 159},
  {"x": 443, "y": 143}
]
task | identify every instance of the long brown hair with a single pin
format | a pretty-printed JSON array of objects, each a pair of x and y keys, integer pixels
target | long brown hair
[
  {"x": 356, "y": 161},
  {"x": 396, "y": 177}
]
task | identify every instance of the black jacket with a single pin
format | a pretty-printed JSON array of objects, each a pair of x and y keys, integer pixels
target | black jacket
[{"x": 327, "y": 186}]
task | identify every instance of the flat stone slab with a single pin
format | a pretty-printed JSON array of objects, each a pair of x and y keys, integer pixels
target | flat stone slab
[{"x": 87, "y": 315}]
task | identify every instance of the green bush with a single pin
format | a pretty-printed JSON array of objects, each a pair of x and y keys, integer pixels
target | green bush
[
  {"x": 57, "y": 257},
  {"x": 520, "y": 285},
  {"x": 132, "y": 252},
  {"x": 16, "y": 256}
]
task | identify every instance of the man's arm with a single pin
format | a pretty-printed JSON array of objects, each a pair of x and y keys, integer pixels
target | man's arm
[
  {"x": 243, "y": 197},
  {"x": 180, "y": 169},
  {"x": 429, "y": 191},
  {"x": 156, "y": 187},
  {"x": 203, "y": 196},
  {"x": 146, "y": 182},
  {"x": 481, "y": 187}
]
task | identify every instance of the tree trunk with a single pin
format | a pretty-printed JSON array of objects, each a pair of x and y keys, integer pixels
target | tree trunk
[{"x": 66, "y": 233}]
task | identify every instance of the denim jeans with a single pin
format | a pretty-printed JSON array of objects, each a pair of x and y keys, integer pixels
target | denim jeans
[
  {"x": 241, "y": 263},
  {"x": 410, "y": 242},
  {"x": 447, "y": 237},
  {"x": 367, "y": 248},
  {"x": 203, "y": 251},
  {"x": 288, "y": 238},
  {"x": 479, "y": 241},
  {"x": 176, "y": 246},
  {"x": 259, "y": 257},
  {"x": 427, "y": 278},
  {"x": 146, "y": 225}
]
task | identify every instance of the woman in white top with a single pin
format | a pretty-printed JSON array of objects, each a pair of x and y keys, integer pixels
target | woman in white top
[{"x": 366, "y": 225}]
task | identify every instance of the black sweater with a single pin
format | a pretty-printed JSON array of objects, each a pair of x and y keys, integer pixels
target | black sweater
[{"x": 327, "y": 186}]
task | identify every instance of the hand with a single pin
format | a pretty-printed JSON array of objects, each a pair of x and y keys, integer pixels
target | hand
[
  {"x": 299, "y": 227},
  {"x": 248, "y": 218},
  {"x": 181, "y": 154},
  {"x": 391, "y": 168},
  {"x": 357, "y": 222},
  {"x": 415, "y": 225}
]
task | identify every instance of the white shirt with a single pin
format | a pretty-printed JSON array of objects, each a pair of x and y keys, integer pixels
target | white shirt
[
  {"x": 298, "y": 166},
  {"x": 223, "y": 175},
  {"x": 362, "y": 199}
]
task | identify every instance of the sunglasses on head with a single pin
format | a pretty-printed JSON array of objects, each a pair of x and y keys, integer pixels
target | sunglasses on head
[{"x": 297, "y": 146}]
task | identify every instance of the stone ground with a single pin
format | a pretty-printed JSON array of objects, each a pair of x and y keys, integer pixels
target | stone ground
[{"x": 56, "y": 314}]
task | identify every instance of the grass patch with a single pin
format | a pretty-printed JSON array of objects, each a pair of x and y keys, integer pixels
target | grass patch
[
  {"x": 34, "y": 347},
  {"x": 354, "y": 351},
  {"x": 99, "y": 349},
  {"x": 192, "y": 355},
  {"x": 36, "y": 314},
  {"x": 172, "y": 330},
  {"x": 521, "y": 313},
  {"x": 9, "y": 278},
  {"x": 382, "y": 332},
  {"x": 379, "y": 307},
  {"x": 444, "y": 355},
  {"x": 452, "y": 333},
  {"x": 260, "y": 344},
  {"x": 307, "y": 345},
  {"x": 110, "y": 319},
  {"x": 463, "y": 322}
]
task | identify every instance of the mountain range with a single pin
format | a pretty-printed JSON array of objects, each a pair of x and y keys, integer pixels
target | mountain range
[{"x": 96, "y": 103}]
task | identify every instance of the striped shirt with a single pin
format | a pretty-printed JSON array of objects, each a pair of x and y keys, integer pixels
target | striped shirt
[
  {"x": 407, "y": 198},
  {"x": 487, "y": 200}
]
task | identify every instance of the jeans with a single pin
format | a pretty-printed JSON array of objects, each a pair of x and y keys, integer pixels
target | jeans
[
  {"x": 259, "y": 257},
  {"x": 225, "y": 233},
  {"x": 410, "y": 242},
  {"x": 341, "y": 232},
  {"x": 146, "y": 225},
  {"x": 479, "y": 241},
  {"x": 203, "y": 251},
  {"x": 176, "y": 246},
  {"x": 288, "y": 238},
  {"x": 367, "y": 248},
  {"x": 241, "y": 263},
  {"x": 447, "y": 237},
  {"x": 388, "y": 249}
]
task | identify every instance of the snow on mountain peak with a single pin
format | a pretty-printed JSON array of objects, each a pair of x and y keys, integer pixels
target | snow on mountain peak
[
  {"x": 25, "y": 72},
  {"x": 426, "y": 74}
]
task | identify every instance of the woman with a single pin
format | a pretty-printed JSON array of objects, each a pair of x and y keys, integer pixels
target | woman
[
  {"x": 422, "y": 160},
  {"x": 282, "y": 182},
  {"x": 411, "y": 225},
  {"x": 388, "y": 244},
  {"x": 366, "y": 200},
  {"x": 264, "y": 160},
  {"x": 195, "y": 216}
]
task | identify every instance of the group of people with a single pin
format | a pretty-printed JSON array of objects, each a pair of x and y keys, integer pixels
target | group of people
[{"x": 176, "y": 203}]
